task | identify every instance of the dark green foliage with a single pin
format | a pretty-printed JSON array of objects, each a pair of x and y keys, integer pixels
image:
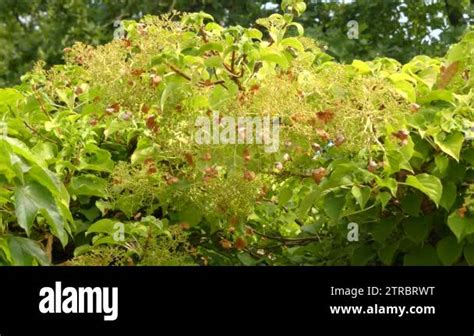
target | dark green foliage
[
  {"x": 40, "y": 29},
  {"x": 100, "y": 165}
]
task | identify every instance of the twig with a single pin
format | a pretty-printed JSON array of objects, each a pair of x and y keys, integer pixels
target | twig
[
  {"x": 173, "y": 4},
  {"x": 39, "y": 134},
  {"x": 203, "y": 33},
  {"x": 232, "y": 65},
  {"x": 209, "y": 83},
  {"x": 178, "y": 71},
  {"x": 288, "y": 241},
  {"x": 49, "y": 247},
  {"x": 233, "y": 75},
  {"x": 287, "y": 174},
  {"x": 253, "y": 254}
]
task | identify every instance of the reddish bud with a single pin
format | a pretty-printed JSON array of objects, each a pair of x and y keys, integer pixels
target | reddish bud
[
  {"x": 249, "y": 175},
  {"x": 225, "y": 244},
  {"x": 240, "y": 243},
  {"x": 319, "y": 174},
  {"x": 207, "y": 156}
]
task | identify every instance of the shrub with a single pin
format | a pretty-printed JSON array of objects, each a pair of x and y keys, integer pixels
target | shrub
[{"x": 109, "y": 138}]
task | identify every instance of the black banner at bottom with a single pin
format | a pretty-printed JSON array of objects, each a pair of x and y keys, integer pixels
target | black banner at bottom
[{"x": 93, "y": 301}]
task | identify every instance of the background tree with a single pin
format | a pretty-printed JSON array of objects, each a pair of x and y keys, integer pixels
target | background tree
[{"x": 31, "y": 30}]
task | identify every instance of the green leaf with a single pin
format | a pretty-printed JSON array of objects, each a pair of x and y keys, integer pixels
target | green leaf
[
  {"x": 66, "y": 97},
  {"x": 307, "y": 202},
  {"x": 428, "y": 184},
  {"x": 401, "y": 76},
  {"x": 106, "y": 240},
  {"x": 91, "y": 214},
  {"x": 7, "y": 168},
  {"x": 384, "y": 197},
  {"x": 128, "y": 205},
  {"x": 274, "y": 57},
  {"x": 397, "y": 161},
  {"x": 103, "y": 226},
  {"x": 442, "y": 163},
  {"x": 389, "y": 183},
  {"x": 22, "y": 150},
  {"x": 300, "y": 7},
  {"x": 285, "y": 195},
  {"x": 189, "y": 60},
  {"x": 218, "y": 98},
  {"x": 145, "y": 149},
  {"x": 469, "y": 156},
  {"x": 211, "y": 46},
  {"x": 333, "y": 206},
  {"x": 33, "y": 198},
  {"x": 50, "y": 181},
  {"x": 247, "y": 260},
  {"x": 469, "y": 254},
  {"x": 286, "y": 3},
  {"x": 387, "y": 253},
  {"x": 5, "y": 253},
  {"x": 254, "y": 34},
  {"x": 361, "y": 67},
  {"x": 97, "y": 159},
  {"x": 88, "y": 185},
  {"x": 293, "y": 43},
  {"x": 449, "y": 250},
  {"x": 460, "y": 226},
  {"x": 46, "y": 150},
  {"x": 361, "y": 194},
  {"x": 82, "y": 249},
  {"x": 384, "y": 228},
  {"x": 406, "y": 89},
  {"x": 449, "y": 195},
  {"x": 170, "y": 88},
  {"x": 451, "y": 144},
  {"x": 362, "y": 256},
  {"x": 457, "y": 52},
  {"x": 9, "y": 98},
  {"x": 436, "y": 95},
  {"x": 213, "y": 62},
  {"x": 22, "y": 250},
  {"x": 417, "y": 229},
  {"x": 299, "y": 27},
  {"x": 411, "y": 203},
  {"x": 191, "y": 215},
  {"x": 425, "y": 256}
]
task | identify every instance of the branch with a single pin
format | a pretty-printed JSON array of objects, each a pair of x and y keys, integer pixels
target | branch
[
  {"x": 288, "y": 241},
  {"x": 232, "y": 65},
  {"x": 178, "y": 71},
  {"x": 203, "y": 34},
  {"x": 173, "y": 4},
  {"x": 49, "y": 247},
  {"x": 232, "y": 72},
  {"x": 209, "y": 83},
  {"x": 287, "y": 174},
  {"x": 40, "y": 135}
]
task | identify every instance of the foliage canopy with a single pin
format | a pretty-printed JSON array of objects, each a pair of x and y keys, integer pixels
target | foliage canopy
[
  {"x": 106, "y": 141},
  {"x": 41, "y": 29}
]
